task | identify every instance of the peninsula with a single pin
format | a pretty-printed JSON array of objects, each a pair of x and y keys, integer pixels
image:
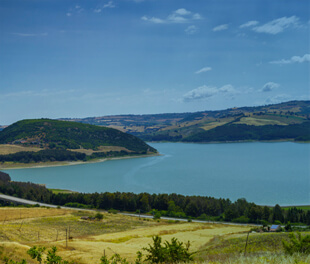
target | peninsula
[{"x": 37, "y": 141}]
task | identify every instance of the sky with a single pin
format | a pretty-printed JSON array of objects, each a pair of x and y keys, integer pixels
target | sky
[{"x": 75, "y": 59}]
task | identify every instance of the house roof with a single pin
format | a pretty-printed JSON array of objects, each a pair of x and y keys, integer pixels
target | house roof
[{"x": 274, "y": 227}]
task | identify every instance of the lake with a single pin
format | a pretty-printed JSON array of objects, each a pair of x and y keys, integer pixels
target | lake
[{"x": 264, "y": 173}]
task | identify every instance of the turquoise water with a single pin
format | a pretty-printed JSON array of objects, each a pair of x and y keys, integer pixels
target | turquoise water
[{"x": 264, "y": 173}]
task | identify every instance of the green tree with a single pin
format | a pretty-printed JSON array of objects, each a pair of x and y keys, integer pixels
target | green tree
[{"x": 277, "y": 214}]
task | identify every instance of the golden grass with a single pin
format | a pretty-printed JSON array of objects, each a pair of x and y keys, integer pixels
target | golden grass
[
  {"x": 213, "y": 125},
  {"x": 259, "y": 122},
  {"x": 13, "y": 213},
  {"x": 91, "y": 239},
  {"x": 100, "y": 149},
  {"x": 11, "y": 149}
]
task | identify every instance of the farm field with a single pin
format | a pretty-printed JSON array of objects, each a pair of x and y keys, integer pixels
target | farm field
[{"x": 22, "y": 228}]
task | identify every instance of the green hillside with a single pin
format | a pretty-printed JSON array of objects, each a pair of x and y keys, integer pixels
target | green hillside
[
  {"x": 284, "y": 121},
  {"x": 64, "y": 140}
]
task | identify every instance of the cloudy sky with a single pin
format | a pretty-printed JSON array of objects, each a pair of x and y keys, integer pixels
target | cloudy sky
[{"x": 65, "y": 58}]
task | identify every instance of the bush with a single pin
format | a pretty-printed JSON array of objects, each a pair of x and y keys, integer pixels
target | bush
[
  {"x": 99, "y": 216},
  {"x": 297, "y": 244},
  {"x": 157, "y": 215},
  {"x": 172, "y": 252},
  {"x": 112, "y": 211}
]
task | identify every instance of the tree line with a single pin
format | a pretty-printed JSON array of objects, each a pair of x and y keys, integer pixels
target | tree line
[
  {"x": 237, "y": 132},
  {"x": 173, "y": 205}
]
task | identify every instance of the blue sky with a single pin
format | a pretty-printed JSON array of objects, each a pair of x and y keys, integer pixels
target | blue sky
[{"x": 64, "y": 58}]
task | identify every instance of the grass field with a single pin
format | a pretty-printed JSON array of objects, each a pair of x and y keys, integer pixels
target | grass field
[
  {"x": 22, "y": 228},
  {"x": 252, "y": 121},
  {"x": 303, "y": 207},
  {"x": 56, "y": 191},
  {"x": 11, "y": 149}
]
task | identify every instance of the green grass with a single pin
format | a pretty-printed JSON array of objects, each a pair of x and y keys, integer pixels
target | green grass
[
  {"x": 57, "y": 191},
  {"x": 303, "y": 207},
  {"x": 220, "y": 248}
]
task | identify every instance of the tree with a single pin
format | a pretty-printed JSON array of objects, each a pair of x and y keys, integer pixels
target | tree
[
  {"x": 288, "y": 227},
  {"x": 277, "y": 214}
]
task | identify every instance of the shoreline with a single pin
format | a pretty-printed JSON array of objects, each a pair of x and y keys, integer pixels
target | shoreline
[
  {"x": 69, "y": 163},
  {"x": 235, "y": 141}
]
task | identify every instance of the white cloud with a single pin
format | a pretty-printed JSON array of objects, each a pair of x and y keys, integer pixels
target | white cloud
[
  {"x": 74, "y": 10},
  {"x": 249, "y": 24},
  {"x": 180, "y": 15},
  {"x": 200, "y": 93},
  {"x": 182, "y": 12},
  {"x": 30, "y": 34},
  {"x": 99, "y": 9},
  {"x": 294, "y": 59},
  {"x": 197, "y": 16},
  {"x": 205, "y": 91},
  {"x": 175, "y": 18},
  {"x": 190, "y": 30},
  {"x": 278, "y": 99},
  {"x": 110, "y": 4},
  {"x": 278, "y": 25},
  {"x": 154, "y": 20},
  {"x": 269, "y": 86},
  {"x": 204, "y": 69},
  {"x": 228, "y": 88},
  {"x": 220, "y": 27}
]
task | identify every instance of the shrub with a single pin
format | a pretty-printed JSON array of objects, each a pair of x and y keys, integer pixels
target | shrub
[
  {"x": 99, "y": 216},
  {"x": 297, "y": 244},
  {"x": 172, "y": 252}
]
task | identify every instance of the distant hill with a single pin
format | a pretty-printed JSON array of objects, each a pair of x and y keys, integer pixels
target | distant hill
[
  {"x": 284, "y": 121},
  {"x": 64, "y": 140}
]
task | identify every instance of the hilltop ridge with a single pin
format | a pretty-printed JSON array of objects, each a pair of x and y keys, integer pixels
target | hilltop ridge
[
  {"x": 284, "y": 121},
  {"x": 36, "y": 140}
]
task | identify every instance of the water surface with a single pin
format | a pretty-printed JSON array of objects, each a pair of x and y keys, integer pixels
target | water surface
[{"x": 264, "y": 173}]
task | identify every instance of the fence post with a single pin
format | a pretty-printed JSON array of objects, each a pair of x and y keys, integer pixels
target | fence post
[
  {"x": 246, "y": 244},
  {"x": 66, "y": 237}
]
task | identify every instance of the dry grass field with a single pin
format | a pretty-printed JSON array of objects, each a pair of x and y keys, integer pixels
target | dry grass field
[
  {"x": 11, "y": 149},
  {"x": 21, "y": 228},
  {"x": 100, "y": 149},
  {"x": 252, "y": 121},
  {"x": 22, "y": 213}
]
